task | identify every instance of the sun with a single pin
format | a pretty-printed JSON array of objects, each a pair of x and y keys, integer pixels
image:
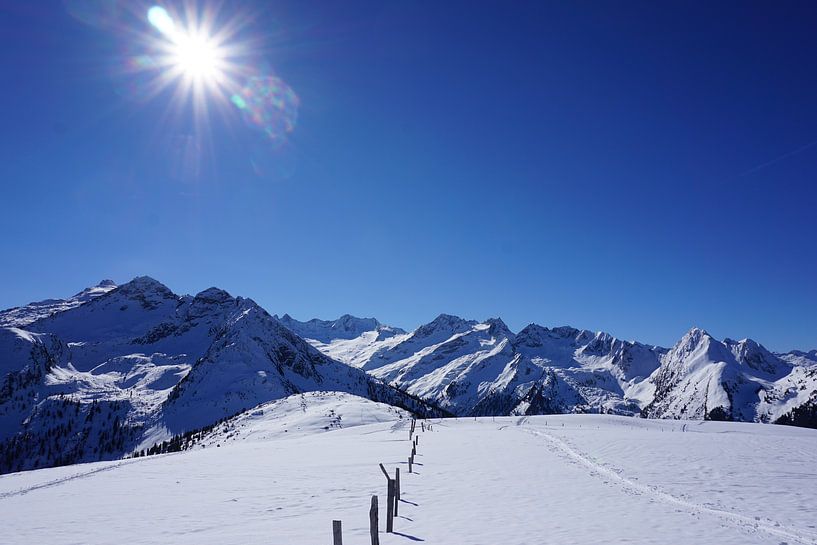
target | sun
[
  {"x": 206, "y": 59},
  {"x": 197, "y": 58},
  {"x": 194, "y": 53}
]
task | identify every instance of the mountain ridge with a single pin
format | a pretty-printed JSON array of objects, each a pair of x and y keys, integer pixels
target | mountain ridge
[
  {"x": 472, "y": 367},
  {"x": 116, "y": 368}
]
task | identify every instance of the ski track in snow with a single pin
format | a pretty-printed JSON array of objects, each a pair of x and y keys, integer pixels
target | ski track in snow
[
  {"x": 66, "y": 479},
  {"x": 629, "y": 486}
]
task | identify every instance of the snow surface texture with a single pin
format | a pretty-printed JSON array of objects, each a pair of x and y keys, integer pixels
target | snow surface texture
[{"x": 561, "y": 479}]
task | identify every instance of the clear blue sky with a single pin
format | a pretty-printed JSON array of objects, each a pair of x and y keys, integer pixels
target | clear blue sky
[{"x": 634, "y": 167}]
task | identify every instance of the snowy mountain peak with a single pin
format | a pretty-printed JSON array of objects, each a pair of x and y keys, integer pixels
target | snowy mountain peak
[
  {"x": 347, "y": 322},
  {"x": 566, "y": 331},
  {"x": 148, "y": 292},
  {"x": 445, "y": 323},
  {"x": 214, "y": 296},
  {"x": 101, "y": 288},
  {"x": 144, "y": 283},
  {"x": 497, "y": 328},
  {"x": 750, "y": 353},
  {"x": 696, "y": 339},
  {"x": 531, "y": 336},
  {"x": 697, "y": 345},
  {"x": 696, "y": 334}
]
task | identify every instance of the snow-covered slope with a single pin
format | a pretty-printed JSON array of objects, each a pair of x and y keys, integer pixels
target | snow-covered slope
[
  {"x": 140, "y": 364},
  {"x": 22, "y": 316},
  {"x": 299, "y": 415},
  {"x": 570, "y": 479}
]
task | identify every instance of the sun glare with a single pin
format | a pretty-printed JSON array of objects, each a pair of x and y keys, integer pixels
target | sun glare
[
  {"x": 197, "y": 58},
  {"x": 205, "y": 58},
  {"x": 192, "y": 53}
]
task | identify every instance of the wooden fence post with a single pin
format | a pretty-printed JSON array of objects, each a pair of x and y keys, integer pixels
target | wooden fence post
[
  {"x": 373, "y": 524},
  {"x": 409, "y": 460},
  {"x": 390, "y": 507},
  {"x": 337, "y": 535},
  {"x": 396, "y": 490}
]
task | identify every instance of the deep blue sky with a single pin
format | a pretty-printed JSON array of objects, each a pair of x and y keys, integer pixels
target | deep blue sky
[{"x": 635, "y": 167}]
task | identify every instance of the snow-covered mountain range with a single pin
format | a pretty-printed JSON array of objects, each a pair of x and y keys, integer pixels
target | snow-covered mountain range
[
  {"x": 483, "y": 368},
  {"x": 118, "y": 369},
  {"x": 139, "y": 364}
]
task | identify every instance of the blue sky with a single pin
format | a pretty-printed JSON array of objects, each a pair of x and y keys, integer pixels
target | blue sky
[{"x": 634, "y": 167}]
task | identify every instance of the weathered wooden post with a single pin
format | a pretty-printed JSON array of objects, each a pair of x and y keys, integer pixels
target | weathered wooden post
[
  {"x": 409, "y": 460},
  {"x": 396, "y": 491},
  {"x": 373, "y": 524},
  {"x": 390, "y": 507},
  {"x": 337, "y": 535}
]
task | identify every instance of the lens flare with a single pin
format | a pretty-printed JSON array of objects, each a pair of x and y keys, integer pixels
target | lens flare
[
  {"x": 201, "y": 55},
  {"x": 103, "y": 14},
  {"x": 268, "y": 104},
  {"x": 161, "y": 19},
  {"x": 191, "y": 52}
]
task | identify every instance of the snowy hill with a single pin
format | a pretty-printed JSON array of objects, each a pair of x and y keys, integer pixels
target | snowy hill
[
  {"x": 140, "y": 364},
  {"x": 300, "y": 415},
  {"x": 567, "y": 479}
]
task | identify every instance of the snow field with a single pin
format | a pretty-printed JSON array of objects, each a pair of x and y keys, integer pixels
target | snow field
[{"x": 570, "y": 479}]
